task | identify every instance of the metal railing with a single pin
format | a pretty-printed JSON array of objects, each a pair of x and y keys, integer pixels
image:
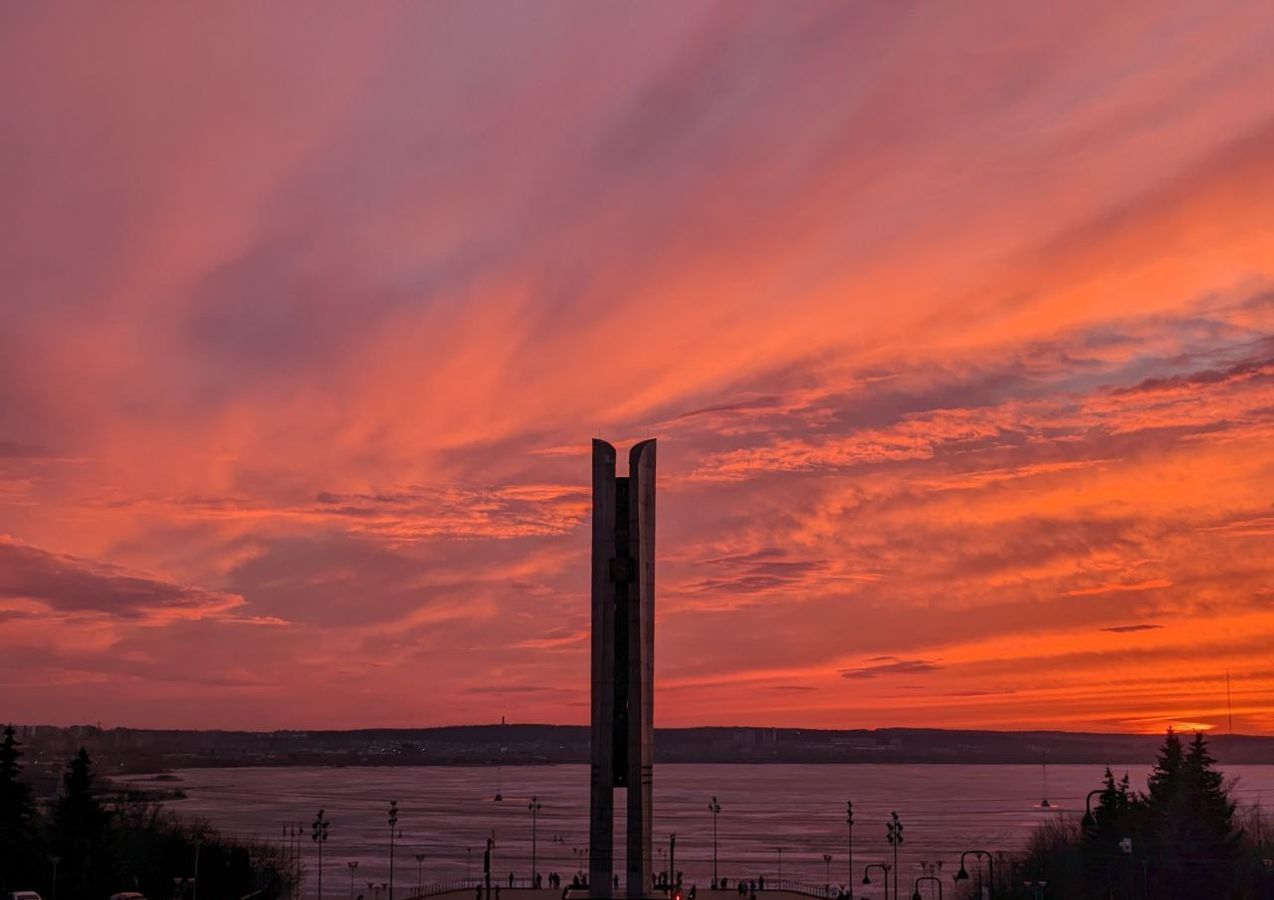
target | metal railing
[
  {"x": 472, "y": 884},
  {"x": 808, "y": 889},
  {"x": 448, "y": 887},
  {"x": 805, "y": 888}
]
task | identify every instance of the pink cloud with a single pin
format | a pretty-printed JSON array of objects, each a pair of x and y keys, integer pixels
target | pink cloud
[{"x": 956, "y": 330}]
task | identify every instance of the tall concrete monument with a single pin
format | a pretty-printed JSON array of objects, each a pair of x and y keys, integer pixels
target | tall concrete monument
[{"x": 623, "y": 664}]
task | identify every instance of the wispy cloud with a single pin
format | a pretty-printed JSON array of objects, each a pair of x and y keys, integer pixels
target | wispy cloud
[
  {"x": 313, "y": 402},
  {"x": 1149, "y": 584},
  {"x": 896, "y": 667}
]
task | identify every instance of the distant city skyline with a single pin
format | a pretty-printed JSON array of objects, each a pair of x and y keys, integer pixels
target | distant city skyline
[{"x": 956, "y": 332}]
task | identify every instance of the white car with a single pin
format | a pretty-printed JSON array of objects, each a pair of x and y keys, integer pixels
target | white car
[
  {"x": 128, "y": 895},
  {"x": 24, "y": 895}
]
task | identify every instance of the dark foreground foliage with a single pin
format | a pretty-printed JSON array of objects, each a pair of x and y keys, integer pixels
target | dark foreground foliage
[
  {"x": 96, "y": 847},
  {"x": 1179, "y": 840}
]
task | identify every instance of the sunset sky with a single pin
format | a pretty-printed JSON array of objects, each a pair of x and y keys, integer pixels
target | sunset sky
[{"x": 955, "y": 323}]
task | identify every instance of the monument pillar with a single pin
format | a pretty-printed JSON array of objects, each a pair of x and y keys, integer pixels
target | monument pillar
[{"x": 623, "y": 665}]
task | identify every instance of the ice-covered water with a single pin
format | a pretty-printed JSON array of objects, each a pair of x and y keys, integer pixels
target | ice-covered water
[{"x": 774, "y": 818}]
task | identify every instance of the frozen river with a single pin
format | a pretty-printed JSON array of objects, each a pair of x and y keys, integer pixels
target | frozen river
[{"x": 773, "y": 817}]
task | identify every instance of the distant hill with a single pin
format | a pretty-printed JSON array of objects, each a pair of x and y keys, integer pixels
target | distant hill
[{"x": 140, "y": 750}]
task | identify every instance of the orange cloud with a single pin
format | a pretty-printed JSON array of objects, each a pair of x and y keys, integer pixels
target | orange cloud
[{"x": 959, "y": 342}]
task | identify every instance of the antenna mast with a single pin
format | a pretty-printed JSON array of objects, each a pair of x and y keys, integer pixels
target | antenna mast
[{"x": 1229, "y": 706}]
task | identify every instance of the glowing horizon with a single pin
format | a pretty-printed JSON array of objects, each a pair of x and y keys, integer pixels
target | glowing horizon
[{"x": 956, "y": 328}]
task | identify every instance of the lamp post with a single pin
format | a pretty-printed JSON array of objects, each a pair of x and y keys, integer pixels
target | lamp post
[
  {"x": 827, "y": 871},
  {"x": 672, "y": 860},
  {"x": 468, "y": 863},
  {"x": 55, "y": 860},
  {"x": 1089, "y": 821},
  {"x": 353, "y": 864},
  {"x": 893, "y": 832},
  {"x": 849, "y": 823},
  {"x": 715, "y": 808},
  {"x": 420, "y": 865},
  {"x": 780, "y": 850},
  {"x": 487, "y": 860},
  {"x": 884, "y": 867},
  {"x": 194, "y": 887},
  {"x": 963, "y": 874},
  {"x": 393, "y": 825},
  {"x": 534, "y": 806},
  {"x": 297, "y": 831},
  {"x": 915, "y": 895},
  {"x": 319, "y": 836}
]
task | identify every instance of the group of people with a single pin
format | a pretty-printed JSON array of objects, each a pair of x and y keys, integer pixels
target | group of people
[
  {"x": 554, "y": 880},
  {"x": 661, "y": 883}
]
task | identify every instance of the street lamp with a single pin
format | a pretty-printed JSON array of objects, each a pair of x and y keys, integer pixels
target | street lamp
[
  {"x": 1089, "y": 821},
  {"x": 55, "y": 860},
  {"x": 420, "y": 863},
  {"x": 194, "y": 887},
  {"x": 353, "y": 864},
  {"x": 393, "y": 824},
  {"x": 963, "y": 874},
  {"x": 715, "y": 808},
  {"x": 468, "y": 863},
  {"x": 884, "y": 867},
  {"x": 488, "y": 858},
  {"x": 319, "y": 836},
  {"x": 534, "y": 806},
  {"x": 297, "y": 831},
  {"x": 915, "y": 895},
  {"x": 827, "y": 870},
  {"x": 893, "y": 832},
  {"x": 849, "y": 823},
  {"x": 780, "y": 849}
]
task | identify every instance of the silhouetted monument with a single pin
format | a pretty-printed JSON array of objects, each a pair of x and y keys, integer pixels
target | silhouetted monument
[{"x": 623, "y": 663}]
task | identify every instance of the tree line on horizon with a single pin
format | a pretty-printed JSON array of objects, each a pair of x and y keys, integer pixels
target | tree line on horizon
[{"x": 82, "y": 847}]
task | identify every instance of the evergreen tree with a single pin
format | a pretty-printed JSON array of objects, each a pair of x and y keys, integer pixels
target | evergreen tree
[
  {"x": 1210, "y": 800},
  {"x": 1113, "y": 819},
  {"x": 1164, "y": 784},
  {"x": 1192, "y": 841},
  {"x": 1214, "y": 840},
  {"x": 1185, "y": 843},
  {"x": 82, "y": 834},
  {"x": 17, "y": 814}
]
